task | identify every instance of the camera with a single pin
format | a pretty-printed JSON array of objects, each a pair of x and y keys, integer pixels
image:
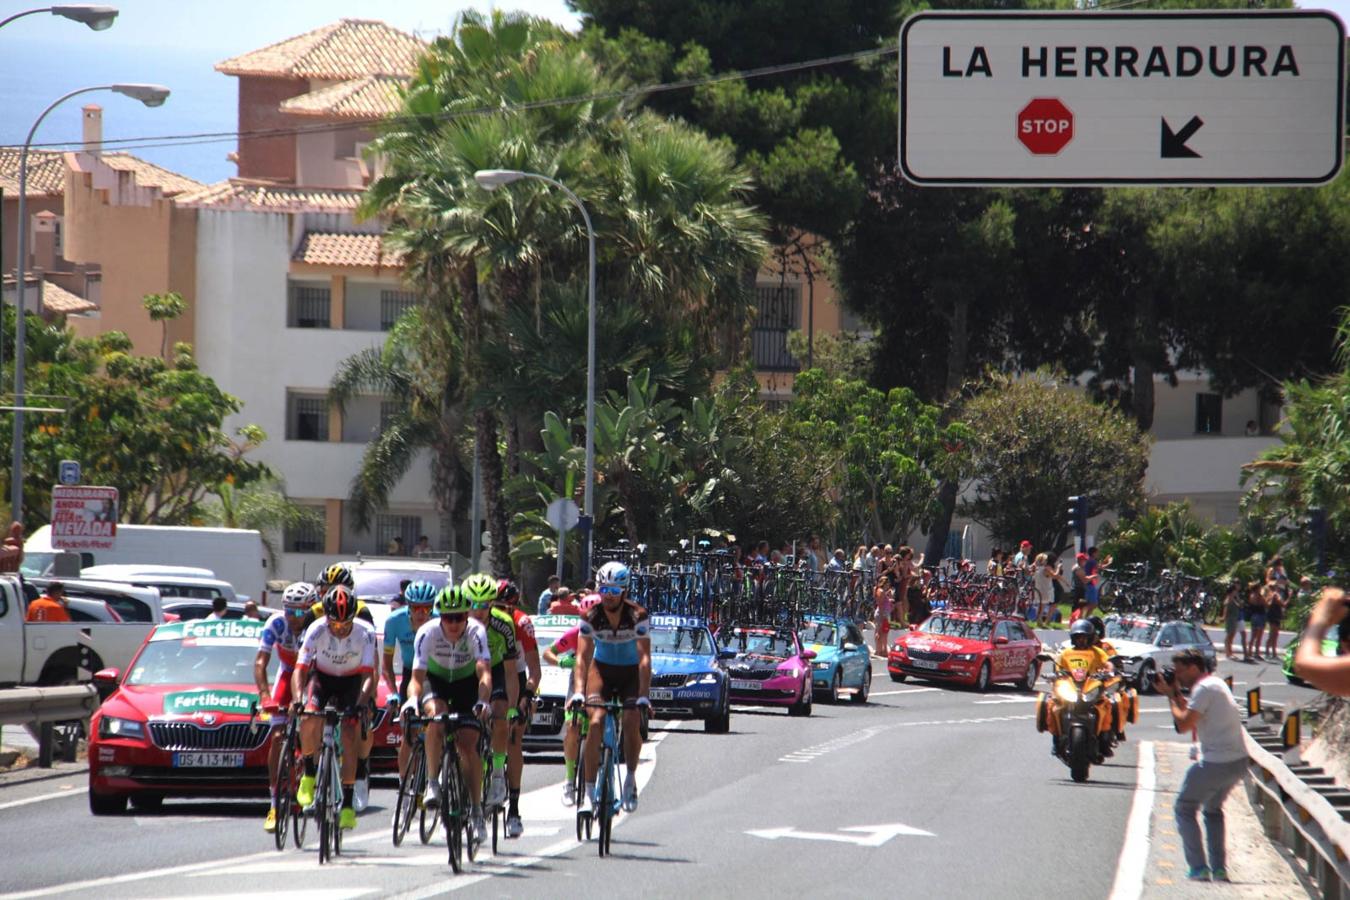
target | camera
[{"x": 1169, "y": 675}]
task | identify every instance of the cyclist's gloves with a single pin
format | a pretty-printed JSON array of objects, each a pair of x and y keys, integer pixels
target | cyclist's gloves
[
  {"x": 577, "y": 700},
  {"x": 644, "y": 703},
  {"x": 409, "y": 708},
  {"x": 480, "y": 709},
  {"x": 392, "y": 701}
]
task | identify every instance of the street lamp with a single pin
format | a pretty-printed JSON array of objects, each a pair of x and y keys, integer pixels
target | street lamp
[
  {"x": 150, "y": 95},
  {"x": 490, "y": 180},
  {"x": 98, "y": 18}
]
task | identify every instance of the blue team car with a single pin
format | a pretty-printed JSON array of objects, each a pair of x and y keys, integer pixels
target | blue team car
[
  {"x": 688, "y": 681},
  {"x": 842, "y": 663}
]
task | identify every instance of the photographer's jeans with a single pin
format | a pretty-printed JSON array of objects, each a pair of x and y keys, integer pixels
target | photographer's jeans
[{"x": 1204, "y": 789}]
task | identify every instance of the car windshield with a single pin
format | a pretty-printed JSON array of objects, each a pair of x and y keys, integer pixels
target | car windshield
[
  {"x": 1131, "y": 630},
  {"x": 817, "y": 633},
  {"x": 188, "y": 662},
  {"x": 776, "y": 645},
  {"x": 681, "y": 640},
  {"x": 975, "y": 630},
  {"x": 386, "y": 584}
]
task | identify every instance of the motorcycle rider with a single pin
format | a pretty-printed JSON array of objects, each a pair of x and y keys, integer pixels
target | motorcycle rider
[
  {"x": 1082, "y": 653},
  {"x": 1126, "y": 696}
]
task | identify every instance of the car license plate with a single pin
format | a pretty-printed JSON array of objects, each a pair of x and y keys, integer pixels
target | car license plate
[
  {"x": 661, "y": 694},
  {"x": 923, "y": 664},
  {"x": 208, "y": 760},
  {"x": 542, "y": 718},
  {"x": 739, "y": 684}
]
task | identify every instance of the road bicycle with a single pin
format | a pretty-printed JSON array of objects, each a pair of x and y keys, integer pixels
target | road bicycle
[
  {"x": 290, "y": 766},
  {"x": 607, "y": 796},
  {"x": 411, "y": 785},
  {"x": 455, "y": 811},
  {"x": 494, "y": 811},
  {"x": 328, "y": 785}
]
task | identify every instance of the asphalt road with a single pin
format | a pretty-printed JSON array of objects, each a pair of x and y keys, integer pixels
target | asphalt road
[{"x": 922, "y": 791}]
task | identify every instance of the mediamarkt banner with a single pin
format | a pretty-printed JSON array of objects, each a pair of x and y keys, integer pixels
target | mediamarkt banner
[{"x": 84, "y": 518}]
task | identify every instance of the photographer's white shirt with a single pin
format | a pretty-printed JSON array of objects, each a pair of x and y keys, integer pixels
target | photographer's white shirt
[{"x": 1220, "y": 725}]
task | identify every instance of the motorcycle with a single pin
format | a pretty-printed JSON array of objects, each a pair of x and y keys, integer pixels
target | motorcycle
[{"x": 1081, "y": 712}]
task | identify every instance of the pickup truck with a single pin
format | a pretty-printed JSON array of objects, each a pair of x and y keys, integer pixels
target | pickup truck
[{"x": 48, "y": 653}]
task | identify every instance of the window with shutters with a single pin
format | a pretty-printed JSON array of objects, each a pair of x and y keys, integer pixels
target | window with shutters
[
  {"x": 306, "y": 417},
  {"x": 778, "y": 312},
  {"x": 394, "y": 304},
  {"x": 308, "y": 536},
  {"x": 310, "y": 306}
]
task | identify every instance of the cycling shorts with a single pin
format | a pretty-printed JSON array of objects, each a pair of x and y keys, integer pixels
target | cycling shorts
[
  {"x": 499, "y": 682},
  {"x": 460, "y": 695},
  {"x": 606, "y": 682},
  {"x": 341, "y": 690}
]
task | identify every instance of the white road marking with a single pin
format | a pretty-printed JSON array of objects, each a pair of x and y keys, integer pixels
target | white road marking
[
  {"x": 867, "y": 835},
  {"x": 1005, "y": 700},
  {"x": 1129, "y": 883},
  {"x": 808, "y": 754},
  {"x": 922, "y": 690},
  {"x": 67, "y": 791},
  {"x": 326, "y": 894}
]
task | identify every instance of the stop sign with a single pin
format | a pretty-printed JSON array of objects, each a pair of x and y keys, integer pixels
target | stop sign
[{"x": 1045, "y": 126}]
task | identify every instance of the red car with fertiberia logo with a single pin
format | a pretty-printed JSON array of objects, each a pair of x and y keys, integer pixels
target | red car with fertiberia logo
[{"x": 971, "y": 648}]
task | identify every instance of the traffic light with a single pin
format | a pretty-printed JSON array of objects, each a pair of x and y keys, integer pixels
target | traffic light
[{"x": 1078, "y": 519}]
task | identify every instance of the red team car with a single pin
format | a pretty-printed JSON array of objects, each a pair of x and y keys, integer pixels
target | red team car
[{"x": 971, "y": 648}]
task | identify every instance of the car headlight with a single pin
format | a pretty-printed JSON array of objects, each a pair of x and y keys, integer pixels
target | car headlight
[
  {"x": 111, "y": 727},
  {"x": 705, "y": 678},
  {"x": 965, "y": 657},
  {"x": 820, "y": 666},
  {"x": 796, "y": 672}
]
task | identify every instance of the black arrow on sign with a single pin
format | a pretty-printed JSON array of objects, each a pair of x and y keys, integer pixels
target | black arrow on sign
[{"x": 1174, "y": 142}]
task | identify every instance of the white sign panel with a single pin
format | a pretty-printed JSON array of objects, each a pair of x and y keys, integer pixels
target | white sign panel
[
  {"x": 84, "y": 518},
  {"x": 1099, "y": 98}
]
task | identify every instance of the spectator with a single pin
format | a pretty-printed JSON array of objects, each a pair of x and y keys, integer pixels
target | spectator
[
  {"x": 563, "y": 604},
  {"x": 1213, "y": 714},
  {"x": 840, "y": 561},
  {"x": 761, "y": 553},
  {"x": 1232, "y": 618},
  {"x": 860, "y": 558},
  {"x": 1022, "y": 559},
  {"x": 1255, "y": 615},
  {"x": 51, "y": 606},
  {"x": 1329, "y": 673},
  {"x": 399, "y": 601},
  {"x": 423, "y": 546},
  {"x": 815, "y": 554},
  {"x": 251, "y": 611},
  {"x": 546, "y": 598},
  {"x": 219, "y": 606},
  {"x": 906, "y": 571},
  {"x": 1080, "y": 583},
  {"x": 1093, "y": 594},
  {"x": 11, "y": 552},
  {"x": 883, "y": 598},
  {"x": 995, "y": 564},
  {"x": 395, "y": 547},
  {"x": 1251, "y": 429},
  {"x": 777, "y": 557},
  {"x": 1045, "y": 572}
]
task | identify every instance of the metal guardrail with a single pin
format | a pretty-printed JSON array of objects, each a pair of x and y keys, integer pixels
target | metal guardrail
[
  {"x": 1296, "y": 814},
  {"x": 45, "y": 707}
]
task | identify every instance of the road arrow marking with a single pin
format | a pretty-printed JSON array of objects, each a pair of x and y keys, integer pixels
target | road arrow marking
[
  {"x": 865, "y": 836},
  {"x": 1174, "y": 142}
]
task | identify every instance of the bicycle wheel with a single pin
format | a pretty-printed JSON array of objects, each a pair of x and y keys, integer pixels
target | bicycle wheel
[
  {"x": 604, "y": 806},
  {"x": 283, "y": 795},
  {"x": 454, "y": 810},
  {"x": 322, "y": 802},
  {"x": 409, "y": 791}
]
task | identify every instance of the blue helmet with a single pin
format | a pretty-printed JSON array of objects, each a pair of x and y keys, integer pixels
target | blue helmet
[{"x": 421, "y": 593}]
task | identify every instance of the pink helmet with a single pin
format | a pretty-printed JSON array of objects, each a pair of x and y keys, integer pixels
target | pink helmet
[{"x": 586, "y": 602}]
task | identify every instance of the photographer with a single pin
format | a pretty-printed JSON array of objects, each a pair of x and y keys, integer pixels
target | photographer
[
  {"x": 1213, "y": 713},
  {"x": 1330, "y": 673}
]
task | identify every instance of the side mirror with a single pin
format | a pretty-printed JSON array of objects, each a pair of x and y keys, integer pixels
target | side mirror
[
  {"x": 105, "y": 682},
  {"x": 808, "y": 654},
  {"x": 849, "y": 646},
  {"x": 1000, "y": 640},
  {"x": 726, "y": 653},
  {"x": 914, "y": 627}
]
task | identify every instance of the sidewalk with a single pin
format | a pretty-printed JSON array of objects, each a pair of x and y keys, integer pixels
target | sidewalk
[{"x": 1257, "y": 869}]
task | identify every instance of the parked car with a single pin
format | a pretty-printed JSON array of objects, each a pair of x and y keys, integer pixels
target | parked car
[
  {"x": 971, "y": 648},
  {"x": 545, "y": 732},
  {"x": 688, "y": 680},
  {"x": 768, "y": 666},
  {"x": 1145, "y": 645},
  {"x": 842, "y": 661},
  {"x": 196, "y": 587}
]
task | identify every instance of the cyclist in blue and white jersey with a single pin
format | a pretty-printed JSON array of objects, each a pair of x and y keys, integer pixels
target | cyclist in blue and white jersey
[
  {"x": 283, "y": 634},
  {"x": 614, "y": 661},
  {"x": 399, "y": 631}
]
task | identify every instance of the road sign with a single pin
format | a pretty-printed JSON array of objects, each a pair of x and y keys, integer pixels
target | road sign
[
  {"x": 1101, "y": 98},
  {"x": 859, "y": 835},
  {"x": 563, "y": 514},
  {"x": 84, "y": 518},
  {"x": 70, "y": 472},
  {"x": 1045, "y": 126}
]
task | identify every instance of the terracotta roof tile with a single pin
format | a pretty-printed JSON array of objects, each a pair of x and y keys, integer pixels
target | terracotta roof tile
[
  {"x": 350, "y": 48},
  {"x": 46, "y": 172},
  {"x": 327, "y": 248},
  {"x": 150, "y": 175},
  {"x": 361, "y": 98},
  {"x": 55, "y": 299},
  {"x": 242, "y": 194}
]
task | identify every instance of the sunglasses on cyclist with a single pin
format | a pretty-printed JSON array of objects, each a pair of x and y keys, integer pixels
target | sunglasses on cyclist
[
  {"x": 454, "y": 617},
  {"x": 297, "y": 613},
  {"x": 611, "y": 591}
]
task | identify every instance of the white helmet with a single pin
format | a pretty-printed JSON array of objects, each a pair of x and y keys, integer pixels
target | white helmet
[
  {"x": 300, "y": 595},
  {"x": 613, "y": 574}
]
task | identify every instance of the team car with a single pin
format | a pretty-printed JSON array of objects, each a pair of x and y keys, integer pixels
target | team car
[
  {"x": 1146, "y": 645},
  {"x": 545, "y": 732},
  {"x": 842, "y": 661},
  {"x": 768, "y": 666},
  {"x": 688, "y": 681},
  {"x": 971, "y": 648}
]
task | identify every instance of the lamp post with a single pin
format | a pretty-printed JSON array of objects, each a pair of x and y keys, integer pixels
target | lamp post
[
  {"x": 150, "y": 95},
  {"x": 98, "y": 18},
  {"x": 490, "y": 180}
]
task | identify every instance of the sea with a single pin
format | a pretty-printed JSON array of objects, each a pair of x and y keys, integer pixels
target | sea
[{"x": 33, "y": 74}]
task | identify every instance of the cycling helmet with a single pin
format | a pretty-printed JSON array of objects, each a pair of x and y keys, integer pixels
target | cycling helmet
[
  {"x": 339, "y": 605},
  {"x": 507, "y": 592},
  {"x": 451, "y": 600},
  {"x": 479, "y": 590},
  {"x": 613, "y": 574},
  {"x": 1098, "y": 626},
  {"x": 421, "y": 593},
  {"x": 300, "y": 595},
  {"x": 337, "y": 573},
  {"x": 1082, "y": 634}
]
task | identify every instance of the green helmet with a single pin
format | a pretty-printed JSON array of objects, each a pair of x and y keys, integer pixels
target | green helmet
[
  {"x": 451, "y": 600},
  {"x": 479, "y": 590}
]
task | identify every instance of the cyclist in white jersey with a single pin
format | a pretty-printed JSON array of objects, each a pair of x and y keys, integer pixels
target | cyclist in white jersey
[
  {"x": 336, "y": 664},
  {"x": 452, "y": 673},
  {"x": 283, "y": 633}
]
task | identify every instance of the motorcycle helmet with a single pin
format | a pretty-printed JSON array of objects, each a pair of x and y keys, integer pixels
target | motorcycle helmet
[
  {"x": 1098, "y": 626},
  {"x": 1082, "y": 635}
]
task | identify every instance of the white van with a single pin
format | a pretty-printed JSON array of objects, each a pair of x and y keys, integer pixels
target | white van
[
  {"x": 193, "y": 586},
  {"x": 235, "y": 555}
]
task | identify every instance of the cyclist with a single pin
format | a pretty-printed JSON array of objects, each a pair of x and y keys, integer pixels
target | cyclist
[
  {"x": 451, "y": 672},
  {"x": 614, "y": 660},
  {"x": 508, "y": 600},
  {"x": 563, "y": 653},
  {"x": 399, "y": 631},
  {"x": 337, "y": 664},
  {"x": 341, "y": 574},
  {"x": 480, "y": 590},
  {"x": 282, "y": 633}
]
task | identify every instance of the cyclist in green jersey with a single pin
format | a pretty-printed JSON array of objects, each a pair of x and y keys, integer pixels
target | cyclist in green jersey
[{"x": 481, "y": 590}]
